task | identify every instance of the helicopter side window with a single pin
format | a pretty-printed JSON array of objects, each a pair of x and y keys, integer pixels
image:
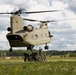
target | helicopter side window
[
  {"x": 16, "y": 21},
  {"x": 36, "y": 35}
]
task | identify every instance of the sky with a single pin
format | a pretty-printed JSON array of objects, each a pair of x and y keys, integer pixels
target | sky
[{"x": 64, "y": 32}]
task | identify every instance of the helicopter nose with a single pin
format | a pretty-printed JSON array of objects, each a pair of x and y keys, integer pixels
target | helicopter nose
[{"x": 14, "y": 38}]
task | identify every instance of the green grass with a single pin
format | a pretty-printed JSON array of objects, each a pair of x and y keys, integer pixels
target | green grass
[
  {"x": 58, "y": 58},
  {"x": 58, "y": 67}
]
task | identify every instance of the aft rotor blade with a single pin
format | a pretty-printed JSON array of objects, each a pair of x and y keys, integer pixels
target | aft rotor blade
[
  {"x": 48, "y": 20},
  {"x": 61, "y": 20},
  {"x": 31, "y": 20},
  {"x": 40, "y": 11}
]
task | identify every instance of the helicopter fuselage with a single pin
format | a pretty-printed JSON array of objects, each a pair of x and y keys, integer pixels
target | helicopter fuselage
[{"x": 24, "y": 36}]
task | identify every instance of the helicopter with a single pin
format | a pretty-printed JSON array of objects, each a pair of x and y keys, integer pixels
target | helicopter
[{"x": 27, "y": 36}]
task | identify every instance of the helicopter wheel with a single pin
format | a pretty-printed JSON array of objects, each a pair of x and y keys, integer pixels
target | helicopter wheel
[
  {"x": 10, "y": 49},
  {"x": 46, "y": 47},
  {"x": 30, "y": 47}
]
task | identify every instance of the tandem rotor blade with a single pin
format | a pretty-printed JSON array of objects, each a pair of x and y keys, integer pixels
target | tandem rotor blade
[
  {"x": 33, "y": 12},
  {"x": 7, "y": 13},
  {"x": 61, "y": 20},
  {"x": 48, "y": 20},
  {"x": 31, "y": 20},
  {"x": 20, "y": 11}
]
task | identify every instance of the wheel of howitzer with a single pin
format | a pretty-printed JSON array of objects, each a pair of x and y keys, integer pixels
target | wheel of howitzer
[{"x": 41, "y": 58}]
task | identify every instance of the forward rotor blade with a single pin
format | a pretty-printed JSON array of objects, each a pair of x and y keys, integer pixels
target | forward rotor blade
[
  {"x": 33, "y": 12},
  {"x": 7, "y": 13},
  {"x": 16, "y": 12},
  {"x": 40, "y": 11}
]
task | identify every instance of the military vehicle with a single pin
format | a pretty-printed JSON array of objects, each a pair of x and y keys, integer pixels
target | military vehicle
[{"x": 27, "y": 36}]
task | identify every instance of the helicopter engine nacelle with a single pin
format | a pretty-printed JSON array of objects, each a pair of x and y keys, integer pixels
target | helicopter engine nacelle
[
  {"x": 29, "y": 28},
  {"x": 9, "y": 29},
  {"x": 44, "y": 25}
]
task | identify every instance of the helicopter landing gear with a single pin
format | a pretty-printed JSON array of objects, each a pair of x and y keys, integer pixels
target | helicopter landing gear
[
  {"x": 27, "y": 56},
  {"x": 30, "y": 47},
  {"x": 10, "y": 50},
  {"x": 46, "y": 47}
]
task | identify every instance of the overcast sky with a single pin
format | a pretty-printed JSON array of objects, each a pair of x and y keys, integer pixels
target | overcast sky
[{"x": 64, "y": 32}]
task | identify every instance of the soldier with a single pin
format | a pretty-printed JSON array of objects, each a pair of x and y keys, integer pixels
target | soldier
[
  {"x": 40, "y": 51},
  {"x": 26, "y": 56}
]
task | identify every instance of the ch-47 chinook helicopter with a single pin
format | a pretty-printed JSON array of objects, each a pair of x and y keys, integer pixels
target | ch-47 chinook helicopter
[{"x": 26, "y": 36}]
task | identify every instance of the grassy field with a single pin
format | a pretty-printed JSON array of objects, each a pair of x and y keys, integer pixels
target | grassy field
[{"x": 54, "y": 66}]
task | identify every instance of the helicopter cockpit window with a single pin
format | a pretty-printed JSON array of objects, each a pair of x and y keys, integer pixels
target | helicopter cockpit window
[{"x": 14, "y": 37}]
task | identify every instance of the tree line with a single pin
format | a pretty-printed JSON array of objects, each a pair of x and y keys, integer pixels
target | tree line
[{"x": 49, "y": 53}]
